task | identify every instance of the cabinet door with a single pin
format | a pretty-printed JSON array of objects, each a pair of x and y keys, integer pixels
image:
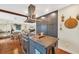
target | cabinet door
[
  {"x": 47, "y": 29},
  {"x": 41, "y": 28},
  {"x": 44, "y": 28},
  {"x": 52, "y": 30},
  {"x": 50, "y": 26},
  {"x": 36, "y": 46},
  {"x": 38, "y": 27}
]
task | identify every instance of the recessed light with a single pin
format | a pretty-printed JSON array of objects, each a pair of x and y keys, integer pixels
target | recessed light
[
  {"x": 47, "y": 10},
  {"x": 36, "y": 15},
  {"x": 53, "y": 14},
  {"x": 42, "y": 17}
]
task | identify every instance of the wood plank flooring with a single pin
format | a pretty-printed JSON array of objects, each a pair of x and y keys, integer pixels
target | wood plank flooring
[
  {"x": 60, "y": 51},
  {"x": 8, "y": 46}
]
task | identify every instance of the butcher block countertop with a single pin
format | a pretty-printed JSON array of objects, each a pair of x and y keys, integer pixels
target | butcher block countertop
[{"x": 45, "y": 41}]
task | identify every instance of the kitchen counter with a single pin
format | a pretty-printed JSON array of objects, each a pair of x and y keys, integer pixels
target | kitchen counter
[
  {"x": 4, "y": 35},
  {"x": 45, "y": 41}
]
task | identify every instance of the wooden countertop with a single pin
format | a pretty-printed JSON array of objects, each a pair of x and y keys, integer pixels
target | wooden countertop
[{"x": 45, "y": 41}]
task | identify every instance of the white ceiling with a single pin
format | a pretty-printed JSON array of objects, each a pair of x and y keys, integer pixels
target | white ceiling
[{"x": 41, "y": 9}]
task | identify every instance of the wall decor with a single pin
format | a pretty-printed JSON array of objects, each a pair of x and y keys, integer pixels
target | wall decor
[
  {"x": 77, "y": 17},
  {"x": 62, "y": 18},
  {"x": 71, "y": 23},
  {"x": 60, "y": 27}
]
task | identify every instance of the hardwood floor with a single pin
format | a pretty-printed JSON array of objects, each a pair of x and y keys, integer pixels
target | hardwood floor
[
  {"x": 60, "y": 51},
  {"x": 8, "y": 46}
]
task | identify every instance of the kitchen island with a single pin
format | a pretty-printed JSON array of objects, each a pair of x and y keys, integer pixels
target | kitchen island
[{"x": 43, "y": 44}]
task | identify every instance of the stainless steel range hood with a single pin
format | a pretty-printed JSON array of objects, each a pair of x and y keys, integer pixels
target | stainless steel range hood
[{"x": 31, "y": 14}]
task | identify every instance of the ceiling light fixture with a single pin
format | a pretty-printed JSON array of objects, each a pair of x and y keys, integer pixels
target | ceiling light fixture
[
  {"x": 42, "y": 17},
  {"x": 36, "y": 15},
  {"x": 47, "y": 10},
  {"x": 53, "y": 14}
]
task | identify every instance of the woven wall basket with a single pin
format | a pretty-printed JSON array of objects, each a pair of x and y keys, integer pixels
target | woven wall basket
[{"x": 71, "y": 23}]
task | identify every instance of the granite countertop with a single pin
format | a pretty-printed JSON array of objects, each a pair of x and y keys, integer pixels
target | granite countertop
[{"x": 45, "y": 41}]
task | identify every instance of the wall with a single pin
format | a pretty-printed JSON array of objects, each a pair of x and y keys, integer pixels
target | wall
[
  {"x": 5, "y": 27},
  {"x": 26, "y": 26},
  {"x": 68, "y": 38},
  {"x": 8, "y": 20}
]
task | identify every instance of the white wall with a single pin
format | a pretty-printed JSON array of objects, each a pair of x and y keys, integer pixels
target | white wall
[
  {"x": 68, "y": 38},
  {"x": 5, "y": 27},
  {"x": 6, "y": 20}
]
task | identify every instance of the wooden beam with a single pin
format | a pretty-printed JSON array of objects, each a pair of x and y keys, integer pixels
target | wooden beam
[{"x": 10, "y": 12}]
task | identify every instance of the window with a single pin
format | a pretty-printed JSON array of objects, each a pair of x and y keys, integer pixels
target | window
[{"x": 18, "y": 27}]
